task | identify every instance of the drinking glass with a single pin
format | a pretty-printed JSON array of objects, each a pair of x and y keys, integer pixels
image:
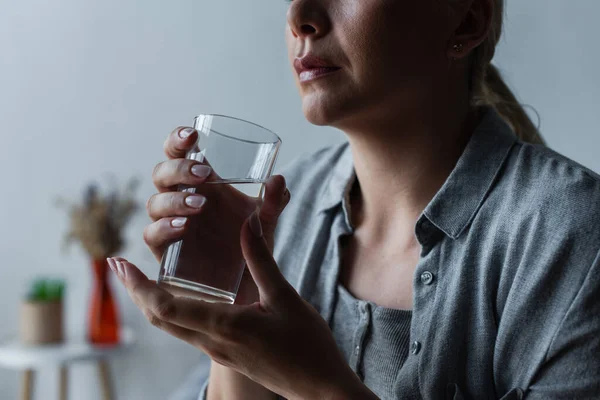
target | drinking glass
[{"x": 207, "y": 263}]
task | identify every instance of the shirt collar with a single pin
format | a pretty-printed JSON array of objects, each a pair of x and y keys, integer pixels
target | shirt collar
[
  {"x": 340, "y": 181},
  {"x": 457, "y": 202},
  {"x": 455, "y": 205}
]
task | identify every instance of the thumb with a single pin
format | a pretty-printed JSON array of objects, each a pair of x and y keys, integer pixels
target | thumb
[
  {"x": 275, "y": 200},
  {"x": 271, "y": 284}
]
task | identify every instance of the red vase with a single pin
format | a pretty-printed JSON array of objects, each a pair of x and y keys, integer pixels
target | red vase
[{"x": 103, "y": 324}]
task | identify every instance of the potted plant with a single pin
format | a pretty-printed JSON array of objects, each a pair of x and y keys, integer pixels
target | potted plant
[{"x": 41, "y": 319}]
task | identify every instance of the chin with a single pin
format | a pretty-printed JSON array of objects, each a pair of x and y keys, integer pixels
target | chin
[{"x": 320, "y": 112}]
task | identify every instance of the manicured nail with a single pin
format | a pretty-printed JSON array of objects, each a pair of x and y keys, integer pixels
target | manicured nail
[
  {"x": 201, "y": 171},
  {"x": 120, "y": 269},
  {"x": 178, "y": 222},
  {"x": 185, "y": 133},
  {"x": 111, "y": 264},
  {"x": 195, "y": 201},
  {"x": 255, "y": 225}
]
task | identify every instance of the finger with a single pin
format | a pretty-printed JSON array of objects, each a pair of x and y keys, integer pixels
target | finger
[
  {"x": 171, "y": 173},
  {"x": 180, "y": 141},
  {"x": 275, "y": 200},
  {"x": 146, "y": 294},
  {"x": 158, "y": 235},
  {"x": 136, "y": 282},
  {"x": 174, "y": 204},
  {"x": 154, "y": 302},
  {"x": 217, "y": 320},
  {"x": 271, "y": 284}
]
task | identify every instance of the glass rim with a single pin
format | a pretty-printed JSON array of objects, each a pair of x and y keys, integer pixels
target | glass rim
[{"x": 277, "y": 138}]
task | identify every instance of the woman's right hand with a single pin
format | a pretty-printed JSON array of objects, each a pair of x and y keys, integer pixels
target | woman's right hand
[{"x": 169, "y": 209}]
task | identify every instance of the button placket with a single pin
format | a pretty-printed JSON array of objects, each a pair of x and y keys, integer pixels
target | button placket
[
  {"x": 364, "y": 319},
  {"x": 425, "y": 286},
  {"x": 426, "y": 278}
]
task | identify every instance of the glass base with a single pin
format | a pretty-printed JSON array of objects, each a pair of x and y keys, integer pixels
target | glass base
[{"x": 183, "y": 288}]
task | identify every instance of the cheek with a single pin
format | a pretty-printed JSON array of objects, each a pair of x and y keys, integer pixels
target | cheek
[
  {"x": 290, "y": 43},
  {"x": 391, "y": 40},
  {"x": 386, "y": 50}
]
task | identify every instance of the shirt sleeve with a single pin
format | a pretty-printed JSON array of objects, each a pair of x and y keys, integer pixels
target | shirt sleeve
[{"x": 572, "y": 365}]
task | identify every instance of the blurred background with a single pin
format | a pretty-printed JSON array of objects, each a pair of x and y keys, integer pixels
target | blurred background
[{"x": 90, "y": 88}]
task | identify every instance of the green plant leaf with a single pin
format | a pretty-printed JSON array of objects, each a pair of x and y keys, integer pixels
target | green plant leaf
[{"x": 46, "y": 290}]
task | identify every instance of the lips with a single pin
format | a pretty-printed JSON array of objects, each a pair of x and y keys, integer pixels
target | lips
[{"x": 311, "y": 67}]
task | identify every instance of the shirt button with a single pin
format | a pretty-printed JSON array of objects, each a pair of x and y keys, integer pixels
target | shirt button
[
  {"x": 427, "y": 278},
  {"x": 356, "y": 350},
  {"x": 415, "y": 348}
]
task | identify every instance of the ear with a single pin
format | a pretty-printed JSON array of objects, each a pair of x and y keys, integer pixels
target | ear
[{"x": 473, "y": 29}]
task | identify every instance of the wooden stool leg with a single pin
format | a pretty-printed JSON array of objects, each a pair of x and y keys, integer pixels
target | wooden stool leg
[
  {"x": 63, "y": 383},
  {"x": 27, "y": 387},
  {"x": 105, "y": 380}
]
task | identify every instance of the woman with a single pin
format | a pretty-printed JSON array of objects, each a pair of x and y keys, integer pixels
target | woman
[{"x": 442, "y": 253}]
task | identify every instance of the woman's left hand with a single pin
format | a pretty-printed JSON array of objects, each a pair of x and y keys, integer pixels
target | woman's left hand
[{"x": 280, "y": 342}]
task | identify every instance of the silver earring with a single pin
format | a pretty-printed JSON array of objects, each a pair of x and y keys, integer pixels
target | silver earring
[{"x": 457, "y": 47}]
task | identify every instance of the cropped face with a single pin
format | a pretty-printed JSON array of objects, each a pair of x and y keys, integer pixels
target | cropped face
[{"x": 356, "y": 60}]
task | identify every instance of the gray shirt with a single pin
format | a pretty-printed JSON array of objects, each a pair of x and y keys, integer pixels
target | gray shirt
[
  {"x": 374, "y": 340},
  {"x": 506, "y": 294}
]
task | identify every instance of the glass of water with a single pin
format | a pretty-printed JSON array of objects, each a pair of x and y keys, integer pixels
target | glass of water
[{"x": 207, "y": 263}]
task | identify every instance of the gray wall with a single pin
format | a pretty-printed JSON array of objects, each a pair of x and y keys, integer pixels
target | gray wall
[{"x": 93, "y": 87}]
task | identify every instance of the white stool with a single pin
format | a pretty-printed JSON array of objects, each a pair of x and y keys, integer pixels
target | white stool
[{"x": 28, "y": 359}]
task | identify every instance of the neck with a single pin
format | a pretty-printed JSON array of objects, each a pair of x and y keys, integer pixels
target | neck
[{"x": 401, "y": 164}]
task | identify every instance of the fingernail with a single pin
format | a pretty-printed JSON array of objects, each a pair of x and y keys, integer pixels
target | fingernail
[
  {"x": 111, "y": 264},
  {"x": 255, "y": 225},
  {"x": 201, "y": 171},
  {"x": 178, "y": 222},
  {"x": 185, "y": 133},
  {"x": 120, "y": 269},
  {"x": 195, "y": 201},
  {"x": 286, "y": 194}
]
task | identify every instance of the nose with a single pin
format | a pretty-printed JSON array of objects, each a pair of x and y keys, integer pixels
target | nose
[{"x": 308, "y": 19}]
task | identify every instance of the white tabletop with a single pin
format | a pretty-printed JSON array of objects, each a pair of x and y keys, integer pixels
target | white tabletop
[{"x": 16, "y": 355}]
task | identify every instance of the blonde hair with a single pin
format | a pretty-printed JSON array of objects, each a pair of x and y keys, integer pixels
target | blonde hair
[{"x": 490, "y": 89}]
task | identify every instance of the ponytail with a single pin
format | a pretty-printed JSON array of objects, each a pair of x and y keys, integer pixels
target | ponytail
[
  {"x": 495, "y": 92},
  {"x": 488, "y": 86}
]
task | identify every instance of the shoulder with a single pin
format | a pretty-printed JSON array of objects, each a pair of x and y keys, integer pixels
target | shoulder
[
  {"x": 544, "y": 217},
  {"x": 550, "y": 164},
  {"x": 541, "y": 181},
  {"x": 544, "y": 234}
]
